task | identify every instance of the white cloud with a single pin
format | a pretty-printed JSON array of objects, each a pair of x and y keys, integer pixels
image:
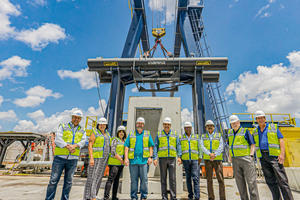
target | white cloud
[
  {"x": 29, "y": 101},
  {"x": 1, "y": 84},
  {"x": 170, "y": 9},
  {"x": 271, "y": 1},
  {"x": 85, "y": 78},
  {"x": 7, "y": 9},
  {"x": 39, "y": 38},
  {"x": 262, "y": 9},
  {"x": 272, "y": 89},
  {"x": 47, "y": 124},
  {"x": 266, "y": 15},
  {"x": 36, "y": 115},
  {"x": 14, "y": 66},
  {"x": 187, "y": 115},
  {"x": 25, "y": 126},
  {"x": 36, "y": 96},
  {"x": 38, "y": 2},
  {"x": 1, "y": 100},
  {"x": 0, "y": 127},
  {"x": 8, "y": 116},
  {"x": 281, "y": 7},
  {"x": 135, "y": 89}
]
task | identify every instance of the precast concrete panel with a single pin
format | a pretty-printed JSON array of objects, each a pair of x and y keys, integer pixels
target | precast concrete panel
[{"x": 154, "y": 110}]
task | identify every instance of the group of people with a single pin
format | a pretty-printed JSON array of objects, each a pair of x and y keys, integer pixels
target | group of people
[{"x": 137, "y": 150}]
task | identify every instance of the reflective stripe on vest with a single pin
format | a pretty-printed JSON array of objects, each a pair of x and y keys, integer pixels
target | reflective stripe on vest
[
  {"x": 119, "y": 150},
  {"x": 68, "y": 138},
  {"x": 190, "y": 149},
  {"x": 98, "y": 146},
  {"x": 212, "y": 146},
  {"x": 132, "y": 141},
  {"x": 167, "y": 145},
  {"x": 238, "y": 145},
  {"x": 273, "y": 141}
]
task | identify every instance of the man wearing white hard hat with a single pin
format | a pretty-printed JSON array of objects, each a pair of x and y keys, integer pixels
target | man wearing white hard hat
[
  {"x": 99, "y": 149},
  {"x": 270, "y": 149},
  {"x": 212, "y": 147},
  {"x": 139, "y": 153},
  {"x": 191, "y": 157},
  {"x": 241, "y": 154},
  {"x": 167, "y": 147},
  {"x": 69, "y": 139}
]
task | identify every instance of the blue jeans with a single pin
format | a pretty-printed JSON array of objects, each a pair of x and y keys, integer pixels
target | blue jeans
[
  {"x": 139, "y": 172},
  {"x": 58, "y": 165},
  {"x": 192, "y": 173}
]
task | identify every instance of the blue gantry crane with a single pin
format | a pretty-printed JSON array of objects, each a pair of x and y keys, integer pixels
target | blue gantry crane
[{"x": 198, "y": 68}]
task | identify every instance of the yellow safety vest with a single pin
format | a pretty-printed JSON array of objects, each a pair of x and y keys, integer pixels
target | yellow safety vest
[
  {"x": 212, "y": 145},
  {"x": 190, "y": 149},
  {"x": 167, "y": 145},
  {"x": 273, "y": 141},
  {"x": 70, "y": 138},
  {"x": 132, "y": 141},
  {"x": 238, "y": 145},
  {"x": 119, "y": 150},
  {"x": 98, "y": 146}
]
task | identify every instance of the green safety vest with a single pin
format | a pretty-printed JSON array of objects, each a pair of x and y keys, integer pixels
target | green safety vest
[
  {"x": 119, "y": 150},
  {"x": 212, "y": 145},
  {"x": 167, "y": 145},
  {"x": 68, "y": 138},
  {"x": 190, "y": 149},
  {"x": 273, "y": 141},
  {"x": 238, "y": 145},
  {"x": 132, "y": 141},
  {"x": 98, "y": 146}
]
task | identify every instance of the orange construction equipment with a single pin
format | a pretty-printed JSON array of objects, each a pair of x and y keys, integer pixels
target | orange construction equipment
[{"x": 227, "y": 172}]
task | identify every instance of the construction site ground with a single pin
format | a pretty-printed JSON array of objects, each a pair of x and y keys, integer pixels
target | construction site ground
[{"x": 33, "y": 187}]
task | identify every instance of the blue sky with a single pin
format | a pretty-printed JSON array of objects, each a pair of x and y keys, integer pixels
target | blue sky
[{"x": 45, "y": 45}]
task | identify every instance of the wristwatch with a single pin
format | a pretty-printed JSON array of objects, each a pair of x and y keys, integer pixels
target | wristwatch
[
  {"x": 151, "y": 157},
  {"x": 251, "y": 156}
]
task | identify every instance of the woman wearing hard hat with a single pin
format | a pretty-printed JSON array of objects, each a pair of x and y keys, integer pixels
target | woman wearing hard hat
[
  {"x": 115, "y": 163},
  {"x": 99, "y": 149}
]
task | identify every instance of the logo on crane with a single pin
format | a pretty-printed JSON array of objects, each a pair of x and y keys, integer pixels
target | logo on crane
[{"x": 156, "y": 63}]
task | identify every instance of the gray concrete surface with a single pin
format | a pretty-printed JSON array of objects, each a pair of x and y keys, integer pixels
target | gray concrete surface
[{"x": 33, "y": 187}]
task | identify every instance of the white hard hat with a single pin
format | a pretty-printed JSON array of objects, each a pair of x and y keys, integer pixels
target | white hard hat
[
  {"x": 187, "y": 124},
  {"x": 77, "y": 113},
  {"x": 209, "y": 122},
  {"x": 259, "y": 113},
  {"x": 102, "y": 120},
  {"x": 167, "y": 120},
  {"x": 233, "y": 118},
  {"x": 121, "y": 128},
  {"x": 140, "y": 119}
]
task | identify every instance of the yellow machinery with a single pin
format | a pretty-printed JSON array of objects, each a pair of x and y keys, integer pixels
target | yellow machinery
[
  {"x": 158, "y": 32},
  {"x": 289, "y": 130},
  {"x": 90, "y": 124}
]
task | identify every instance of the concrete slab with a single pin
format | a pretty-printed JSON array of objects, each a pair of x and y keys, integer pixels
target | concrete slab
[{"x": 33, "y": 187}]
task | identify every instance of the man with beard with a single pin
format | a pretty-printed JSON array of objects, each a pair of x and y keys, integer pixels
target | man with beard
[
  {"x": 139, "y": 154},
  {"x": 212, "y": 147}
]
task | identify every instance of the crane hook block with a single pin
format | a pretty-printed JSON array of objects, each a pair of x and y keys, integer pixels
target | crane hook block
[{"x": 158, "y": 32}]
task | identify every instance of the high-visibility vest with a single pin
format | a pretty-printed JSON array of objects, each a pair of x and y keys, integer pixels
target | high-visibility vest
[
  {"x": 98, "y": 146},
  {"x": 212, "y": 145},
  {"x": 132, "y": 141},
  {"x": 238, "y": 145},
  {"x": 190, "y": 149},
  {"x": 273, "y": 141},
  {"x": 70, "y": 138},
  {"x": 119, "y": 150},
  {"x": 167, "y": 145}
]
